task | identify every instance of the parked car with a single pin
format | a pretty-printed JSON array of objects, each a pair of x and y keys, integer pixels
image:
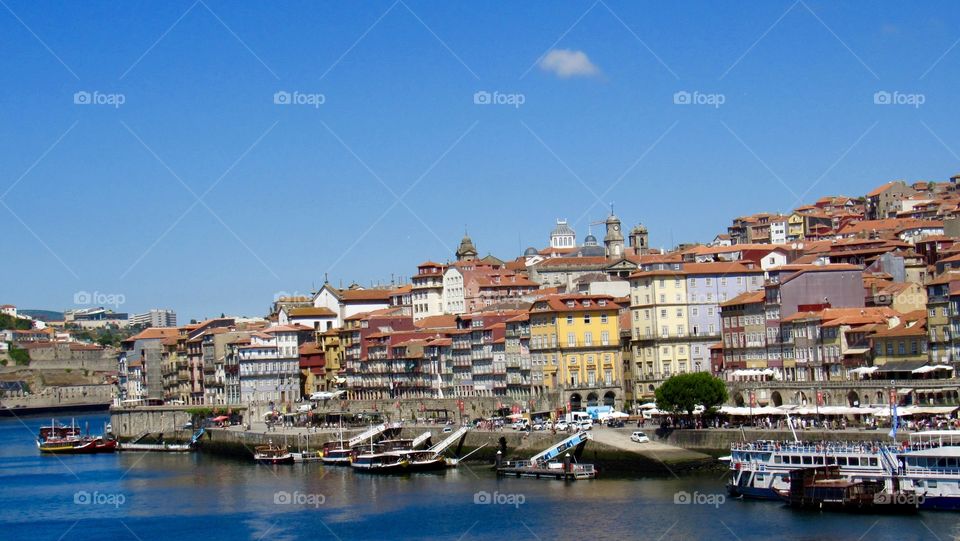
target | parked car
[
  {"x": 615, "y": 423},
  {"x": 303, "y": 408},
  {"x": 639, "y": 437},
  {"x": 447, "y": 429},
  {"x": 585, "y": 425},
  {"x": 562, "y": 425}
]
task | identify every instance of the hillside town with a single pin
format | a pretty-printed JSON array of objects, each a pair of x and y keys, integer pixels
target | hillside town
[{"x": 847, "y": 301}]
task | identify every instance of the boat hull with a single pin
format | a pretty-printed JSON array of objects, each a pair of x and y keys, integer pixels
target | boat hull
[
  {"x": 286, "y": 459},
  {"x": 83, "y": 447}
]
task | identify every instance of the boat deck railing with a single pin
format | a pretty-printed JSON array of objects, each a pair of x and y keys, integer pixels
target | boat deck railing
[{"x": 829, "y": 447}]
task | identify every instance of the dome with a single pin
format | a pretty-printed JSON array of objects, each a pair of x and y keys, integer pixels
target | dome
[
  {"x": 531, "y": 251},
  {"x": 590, "y": 241}
]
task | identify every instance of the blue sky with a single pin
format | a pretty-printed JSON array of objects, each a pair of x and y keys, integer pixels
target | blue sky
[{"x": 103, "y": 198}]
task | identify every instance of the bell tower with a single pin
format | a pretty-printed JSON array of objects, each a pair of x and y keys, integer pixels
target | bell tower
[{"x": 613, "y": 241}]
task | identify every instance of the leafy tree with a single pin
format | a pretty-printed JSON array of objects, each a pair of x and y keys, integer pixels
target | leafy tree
[
  {"x": 19, "y": 356},
  {"x": 683, "y": 392},
  {"x": 15, "y": 323}
]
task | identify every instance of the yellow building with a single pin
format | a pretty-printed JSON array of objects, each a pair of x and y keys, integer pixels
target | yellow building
[
  {"x": 576, "y": 338},
  {"x": 330, "y": 344},
  {"x": 795, "y": 227},
  {"x": 659, "y": 319}
]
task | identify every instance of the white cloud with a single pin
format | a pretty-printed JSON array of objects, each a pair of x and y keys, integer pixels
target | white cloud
[{"x": 566, "y": 63}]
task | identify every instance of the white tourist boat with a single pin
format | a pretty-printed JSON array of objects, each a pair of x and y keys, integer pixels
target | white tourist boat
[{"x": 928, "y": 465}]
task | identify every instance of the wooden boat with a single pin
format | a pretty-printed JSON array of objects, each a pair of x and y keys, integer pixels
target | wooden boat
[
  {"x": 823, "y": 488},
  {"x": 337, "y": 452},
  {"x": 77, "y": 446},
  {"x": 272, "y": 454},
  {"x": 307, "y": 456},
  {"x": 380, "y": 463}
]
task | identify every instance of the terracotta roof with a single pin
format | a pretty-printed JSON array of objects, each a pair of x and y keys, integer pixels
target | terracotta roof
[
  {"x": 348, "y": 295},
  {"x": 287, "y": 328},
  {"x": 446, "y": 321},
  {"x": 750, "y": 297},
  {"x": 882, "y": 188},
  {"x": 559, "y": 302},
  {"x": 155, "y": 333},
  {"x": 311, "y": 311}
]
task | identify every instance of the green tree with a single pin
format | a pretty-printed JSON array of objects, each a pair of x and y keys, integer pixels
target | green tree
[
  {"x": 683, "y": 392},
  {"x": 20, "y": 356}
]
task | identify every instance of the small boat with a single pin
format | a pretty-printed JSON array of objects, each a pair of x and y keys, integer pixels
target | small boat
[
  {"x": 381, "y": 463},
  {"x": 823, "y": 488},
  {"x": 307, "y": 456},
  {"x": 337, "y": 452},
  {"x": 67, "y": 440},
  {"x": 427, "y": 461},
  {"x": 77, "y": 445},
  {"x": 272, "y": 454}
]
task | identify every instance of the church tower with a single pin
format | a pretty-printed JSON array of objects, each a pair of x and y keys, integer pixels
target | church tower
[
  {"x": 467, "y": 251},
  {"x": 613, "y": 241},
  {"x": 639, "y": 240}
]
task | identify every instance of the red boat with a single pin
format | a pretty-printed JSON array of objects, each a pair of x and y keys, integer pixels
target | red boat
[
  {"x": 76, "y": 445},
  {"x": 66, "y": 440}
]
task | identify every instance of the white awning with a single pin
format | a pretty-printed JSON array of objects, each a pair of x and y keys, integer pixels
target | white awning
[
  {"x": 864, "y": 370},
  {"x": 752, "y": 372},
  {"x": 930, "y": 368}
]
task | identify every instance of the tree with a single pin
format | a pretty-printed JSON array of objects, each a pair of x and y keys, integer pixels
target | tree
[{"x": 683, "y": 392}]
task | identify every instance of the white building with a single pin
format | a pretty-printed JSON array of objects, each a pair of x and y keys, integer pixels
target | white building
[
  {"x": 156, "y": 317},
  {"x": 322, "y": 318},
  {"x": 778, "y": 231},
  {"x": 427, "y": 292},
  {"x": 8, "y": 310},
  {"x": 351, "y": 301},
  {"x": 454, "y": 299},
  {"x": 270, "y": 367}
]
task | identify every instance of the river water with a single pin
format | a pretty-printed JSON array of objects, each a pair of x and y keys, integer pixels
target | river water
[{"x": 142, "y": 496}]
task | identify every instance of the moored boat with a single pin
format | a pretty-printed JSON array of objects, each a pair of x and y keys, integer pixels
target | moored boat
[
  {"x": 77, "y": 445},
  {"x": 272, "y": 454},
  {"x": 823, "y": 488}
]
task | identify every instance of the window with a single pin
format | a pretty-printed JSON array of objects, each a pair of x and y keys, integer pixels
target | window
[
  {"x": 588, "y": 338},
  {"x": 570, "y": 320},
  {"x": 603, "y": 318},
  {"x": 571, "y": 339},
  {"x": 586, "y": 318},
  {"x": 605, "y": 338}
]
